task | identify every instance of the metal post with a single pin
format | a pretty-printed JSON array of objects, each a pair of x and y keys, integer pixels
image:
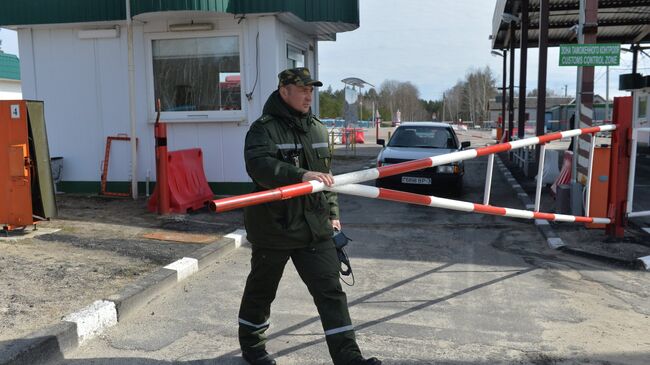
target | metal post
[
  {"x": 540, "y": 176},
  {"x": 631, "y": 176},
  {"x": 587, "y": 34},
  {"x": 540, "y": 118},
  {"x": 504, "y": 92},
  {"x": 131, "y": 67},
  {"x": 488, "y": 180},
  {"x": 523, "y": 66},
  {"x": 360, "y": 107},
  {"x": 635, "y": 58},
  {"x": 511, "y": 99},
  {"x": 607, "y": 119}
]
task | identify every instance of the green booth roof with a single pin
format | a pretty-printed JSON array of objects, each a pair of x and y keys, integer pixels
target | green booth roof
[{"x": 329, "y": 16}]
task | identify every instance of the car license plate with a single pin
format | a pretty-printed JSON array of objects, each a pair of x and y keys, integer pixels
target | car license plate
[{"x": 416, "y": 180}]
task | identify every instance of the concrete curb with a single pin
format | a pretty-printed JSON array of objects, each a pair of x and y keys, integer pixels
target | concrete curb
[
  {"x": 553, "y": 240},
  {"x": 52, "y": 343}
]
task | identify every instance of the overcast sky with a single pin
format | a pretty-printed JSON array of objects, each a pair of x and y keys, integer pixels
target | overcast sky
[{"x": 431, "y": 43}]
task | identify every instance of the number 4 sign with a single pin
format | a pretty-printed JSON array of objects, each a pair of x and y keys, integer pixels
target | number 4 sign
[{"x": 15, "y": 111}]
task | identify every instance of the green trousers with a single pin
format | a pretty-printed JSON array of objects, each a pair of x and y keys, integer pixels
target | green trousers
[{"x": 318, "y": 267}]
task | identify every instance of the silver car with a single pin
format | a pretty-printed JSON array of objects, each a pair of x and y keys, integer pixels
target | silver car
[{"x": 417, "y": 140}]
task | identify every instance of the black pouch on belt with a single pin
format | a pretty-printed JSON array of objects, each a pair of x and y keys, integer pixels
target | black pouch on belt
[{"x": 340, "y": 241}]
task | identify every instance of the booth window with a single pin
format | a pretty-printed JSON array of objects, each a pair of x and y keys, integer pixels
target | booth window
[
  {"x": 295, "y": 57},
  {"x": 197, "y": 75}
]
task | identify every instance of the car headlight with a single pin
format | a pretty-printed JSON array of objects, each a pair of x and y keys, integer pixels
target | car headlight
[{"x": 445, "y": 169}]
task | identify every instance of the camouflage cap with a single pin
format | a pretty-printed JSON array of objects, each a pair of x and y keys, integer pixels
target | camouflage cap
[{"x": 298, "y": 76}]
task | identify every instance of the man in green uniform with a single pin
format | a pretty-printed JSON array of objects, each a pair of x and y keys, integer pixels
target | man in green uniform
[{"x": 288, "y": 145}]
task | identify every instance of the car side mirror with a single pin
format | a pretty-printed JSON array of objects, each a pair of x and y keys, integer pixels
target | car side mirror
[
  {"x": 381, "y": 142},
  {"x": 465, "y": 144}
]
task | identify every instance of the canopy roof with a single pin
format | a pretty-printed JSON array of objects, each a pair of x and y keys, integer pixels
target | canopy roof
[{"x": 619, "y": 21}]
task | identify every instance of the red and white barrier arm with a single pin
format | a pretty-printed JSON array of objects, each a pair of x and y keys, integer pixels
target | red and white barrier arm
[
  {"x": 291, "y": 191},
  {"x": 436, "y": 202}
]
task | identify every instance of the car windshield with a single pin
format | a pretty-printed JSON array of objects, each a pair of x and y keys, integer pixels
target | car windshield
[{"x": 423, "y": 137}]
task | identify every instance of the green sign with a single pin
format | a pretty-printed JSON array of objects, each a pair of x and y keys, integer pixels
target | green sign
[{"x": 607, "y": 54}]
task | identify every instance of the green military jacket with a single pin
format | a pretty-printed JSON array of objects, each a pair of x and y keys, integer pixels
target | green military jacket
[{"x": 281, "y": 146}]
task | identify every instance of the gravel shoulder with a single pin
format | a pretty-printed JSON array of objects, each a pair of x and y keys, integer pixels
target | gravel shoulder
[{"x": 98, "y": 249}]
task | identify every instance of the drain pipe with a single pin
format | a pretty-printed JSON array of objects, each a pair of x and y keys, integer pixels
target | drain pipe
[{"x": 134, "y": 150}]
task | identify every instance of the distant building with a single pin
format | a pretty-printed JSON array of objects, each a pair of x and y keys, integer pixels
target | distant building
[
  {"x": 559, "y": 115},
  {"x": 558, "y": 111},
  {"x": 9, "y": 77}
]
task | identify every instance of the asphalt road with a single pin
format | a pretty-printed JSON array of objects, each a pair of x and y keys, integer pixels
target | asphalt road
[{"x": 432, "y": 287}]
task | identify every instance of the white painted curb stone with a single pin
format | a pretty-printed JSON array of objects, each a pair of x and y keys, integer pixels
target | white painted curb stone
[
  {"x": 184, "y": 267},
  {"x": 239, "y": 236},
  {"x": 92, "y": 320}
]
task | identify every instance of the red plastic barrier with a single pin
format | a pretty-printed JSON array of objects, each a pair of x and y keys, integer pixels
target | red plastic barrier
[
  {"x": 353, "y": 133},
  {"x": 188, "y": 187}
]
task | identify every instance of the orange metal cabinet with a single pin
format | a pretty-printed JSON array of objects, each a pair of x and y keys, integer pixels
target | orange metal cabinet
[
  {"x": 15, "y": 162},
  {"x": 599, "y": 185}
]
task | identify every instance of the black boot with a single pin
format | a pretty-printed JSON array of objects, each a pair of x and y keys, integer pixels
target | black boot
[
  {"x": 258, "y": 358},
  {"x": 370, "y": 361}
]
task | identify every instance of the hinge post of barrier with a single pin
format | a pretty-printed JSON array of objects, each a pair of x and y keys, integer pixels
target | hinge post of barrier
[{"x": 619, "y": 166}]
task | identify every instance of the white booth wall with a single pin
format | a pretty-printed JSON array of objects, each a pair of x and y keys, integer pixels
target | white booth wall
[{"x": 84, "y": 84}]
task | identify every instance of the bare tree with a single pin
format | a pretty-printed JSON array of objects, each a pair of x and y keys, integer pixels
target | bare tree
[
  {"x": 402, "y": 96},
  {"x": 387, "y": 92},
  {"x": 469, "y": 98},
  {"x": 454, "y": 101}
]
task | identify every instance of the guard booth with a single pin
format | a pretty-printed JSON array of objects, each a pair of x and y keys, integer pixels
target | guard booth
[{"x": 26, "y": 186}]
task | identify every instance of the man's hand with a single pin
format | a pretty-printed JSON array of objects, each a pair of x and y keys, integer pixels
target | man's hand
[
  {"x": 326, "y": 179},
  {"x": 336, "y": 224}
]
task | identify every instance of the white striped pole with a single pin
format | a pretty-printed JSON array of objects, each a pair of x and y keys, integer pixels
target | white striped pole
[
  {"x": 304, "y": 188},
  {"x": 436, "y": 202},
  {"x": 488, "y": 180},
  {"x": 540, "y": 177}
]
